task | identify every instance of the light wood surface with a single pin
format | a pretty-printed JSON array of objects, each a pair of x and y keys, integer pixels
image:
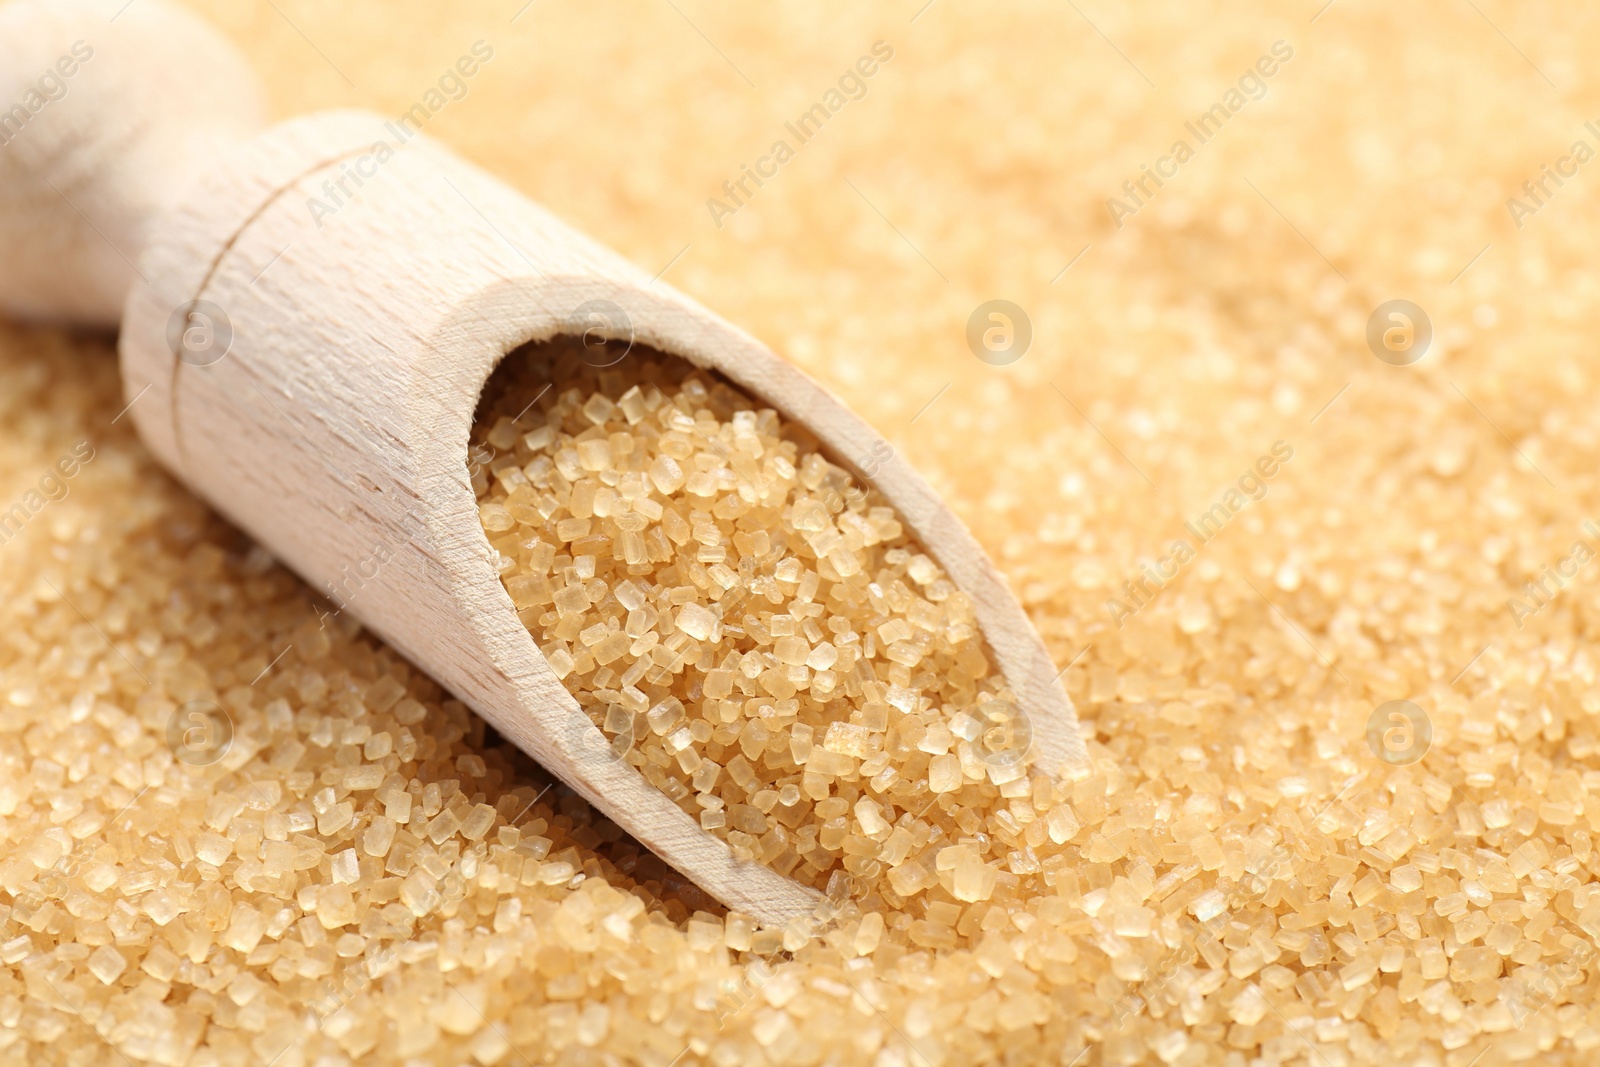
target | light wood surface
[
  {"x": 100, "y": 127},
  {"x": 336, "y": 428}
]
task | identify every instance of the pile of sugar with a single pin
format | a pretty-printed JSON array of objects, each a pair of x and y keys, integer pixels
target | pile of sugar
[
  {"x": 754, "y": 631},
  {"x": 362, "y": 875},
  {"x": 1231, "y": 768}
]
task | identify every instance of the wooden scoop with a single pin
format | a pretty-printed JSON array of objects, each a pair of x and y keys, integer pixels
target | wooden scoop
[{"x": 316, "y": 319}]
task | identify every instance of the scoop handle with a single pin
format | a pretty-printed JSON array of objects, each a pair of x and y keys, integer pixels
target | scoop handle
[{"x": 106, "y": 118}]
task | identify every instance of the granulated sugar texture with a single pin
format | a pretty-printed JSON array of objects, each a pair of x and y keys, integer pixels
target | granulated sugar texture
[
  {"x": 358, "y": 875},
  {"x": 753, "y": 630},
  {"x": 233, "y": 831}
]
